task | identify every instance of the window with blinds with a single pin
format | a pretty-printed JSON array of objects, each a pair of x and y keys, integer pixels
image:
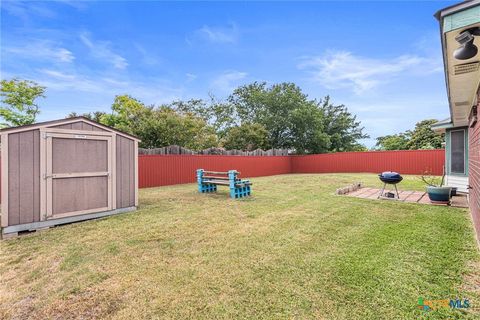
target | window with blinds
[{"x": 457, "y": 153}]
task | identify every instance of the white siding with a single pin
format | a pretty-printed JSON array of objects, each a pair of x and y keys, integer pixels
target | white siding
[{"x": 455, "y": 181}]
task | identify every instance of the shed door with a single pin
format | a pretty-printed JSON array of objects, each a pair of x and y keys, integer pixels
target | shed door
[{"x": 78, "y": 174}]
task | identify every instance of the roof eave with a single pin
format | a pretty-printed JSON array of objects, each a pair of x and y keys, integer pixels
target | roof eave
[
  {"x": 455, "y": 8},
  {"x": 439, "y": 15},
  {"x": 60, "y": 121}
]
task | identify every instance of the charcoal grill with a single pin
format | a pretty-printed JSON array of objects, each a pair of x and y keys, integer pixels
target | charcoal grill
[{"x": 390, "y": 178}]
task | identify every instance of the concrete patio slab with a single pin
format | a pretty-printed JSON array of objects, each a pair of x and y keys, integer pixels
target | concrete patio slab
[{"x": 458, "y": 201}]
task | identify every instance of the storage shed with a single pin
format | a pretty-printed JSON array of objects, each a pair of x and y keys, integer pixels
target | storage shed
[{"x": 64, "y": 171}]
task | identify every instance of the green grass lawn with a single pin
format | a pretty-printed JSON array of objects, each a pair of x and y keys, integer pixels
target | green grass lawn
[{"x": 293, "y": 250}]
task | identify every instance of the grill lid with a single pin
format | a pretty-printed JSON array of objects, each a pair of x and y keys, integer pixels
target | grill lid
[{"x": 390, "y": 177}]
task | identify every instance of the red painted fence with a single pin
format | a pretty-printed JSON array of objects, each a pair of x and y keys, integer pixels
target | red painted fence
[
  {"x": 405, "y": 162},
  {"x": 160, "y": 170}
]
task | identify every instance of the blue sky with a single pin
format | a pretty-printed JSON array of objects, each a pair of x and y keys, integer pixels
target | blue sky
[{"x": 381, "y": 59}]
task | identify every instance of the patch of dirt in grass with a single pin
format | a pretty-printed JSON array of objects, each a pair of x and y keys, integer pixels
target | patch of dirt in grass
[
  {"x": 22, "y": 309},
  {"x": 471, "y": 281},
  {"x": 92, "y": 303},
  {"x": 471, "y": 285}
]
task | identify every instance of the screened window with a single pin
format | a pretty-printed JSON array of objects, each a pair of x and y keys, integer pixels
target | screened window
[{"x": 457, "y": 147}]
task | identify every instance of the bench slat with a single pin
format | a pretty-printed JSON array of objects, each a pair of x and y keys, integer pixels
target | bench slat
[
  {"x": 225, "y": 183},
  {"x": 215, "y": 172},
  {"x": 216, "y": 178}
]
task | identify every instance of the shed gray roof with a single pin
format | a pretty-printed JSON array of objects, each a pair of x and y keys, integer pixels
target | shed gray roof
[{"x": 66, "y": 120}]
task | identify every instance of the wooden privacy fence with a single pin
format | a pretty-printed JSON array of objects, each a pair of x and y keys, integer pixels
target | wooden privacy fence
[
  {"x": 160, "y": 170},
  {"x": 212, "y": 151}
]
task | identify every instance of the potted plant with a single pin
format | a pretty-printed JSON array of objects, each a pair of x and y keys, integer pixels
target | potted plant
[{"x": 435, "y": 189}]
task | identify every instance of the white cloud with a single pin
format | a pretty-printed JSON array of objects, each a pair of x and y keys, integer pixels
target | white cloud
[
  {"x": 342, "y": 69},
  {"x": 57, "y": 74},
  {"x": 211, "y": 34},
  {"x": 101, "y": 50},
  {"x": 150, "y": 91},
  {"x": 59, "y": 80},
  {"x": 43, "y": 50},
  {"x": 24, "y": 9},
  {"x": 227, "y": 81},
  {"x": 147, "y": 57},
  {"x": 397, "y": 113},
  {"x": 190, "y": 77}
]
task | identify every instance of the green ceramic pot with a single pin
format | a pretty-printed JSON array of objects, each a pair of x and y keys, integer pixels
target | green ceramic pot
[{"x": 440, "y": 194}]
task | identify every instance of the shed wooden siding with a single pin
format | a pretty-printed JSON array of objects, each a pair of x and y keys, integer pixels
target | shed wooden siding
[
  {"x": 82, "y": 193},
  {"x": 24, "y": 177},
  {"x": 79, "y": 125},
  {"x": 70, "y": 156},
  {"x": 79, "y": 156},
  {"x": 125, "y": 171}
]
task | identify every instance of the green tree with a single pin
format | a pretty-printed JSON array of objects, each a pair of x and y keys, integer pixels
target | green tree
[
  {"x": 18, "y": 102},
  {"x": 126, "y": 114},
  {"x": 308, "y": 135},
  {"x": 341, "y": 126},
  {"x": 217, "y": 113},
  {"x": 94, "y": 116},
  {"x": 271, "y": 107},
  {"x": 254, "y": 116},
  {"x": 393, "y": 142},
  {"x": 423, "y": 137},
  {"x": 158, "y": 126},
  {"x": 359, "y": 147},
  {"x": 294, "y": 121},
  {"x": 247, "y": 137},
  {"x": 164, "y": 126}
]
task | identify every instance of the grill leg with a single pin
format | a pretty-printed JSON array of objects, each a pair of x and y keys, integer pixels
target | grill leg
[
  {"x": 398, "y": 196},
  {"x": 381, "y": 192}
]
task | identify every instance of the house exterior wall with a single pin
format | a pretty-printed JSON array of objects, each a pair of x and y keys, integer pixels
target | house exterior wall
[
  {"x": 474, "y": 170},
  {"x": 459, "y": 182}
]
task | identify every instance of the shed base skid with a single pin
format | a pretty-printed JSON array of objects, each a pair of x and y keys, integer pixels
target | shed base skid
[{"x": 12, "y": 231}]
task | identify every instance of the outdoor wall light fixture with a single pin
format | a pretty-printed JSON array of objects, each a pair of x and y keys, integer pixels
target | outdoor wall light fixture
[{"x": 467, "y": 49}]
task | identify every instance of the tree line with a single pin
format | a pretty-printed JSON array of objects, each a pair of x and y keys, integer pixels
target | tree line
[
  {"x": 421, "y": 137},
  {"x": 254, "y": 116}
]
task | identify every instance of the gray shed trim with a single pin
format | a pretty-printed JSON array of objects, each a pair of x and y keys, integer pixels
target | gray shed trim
[{"x": 62, "y": 122}]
